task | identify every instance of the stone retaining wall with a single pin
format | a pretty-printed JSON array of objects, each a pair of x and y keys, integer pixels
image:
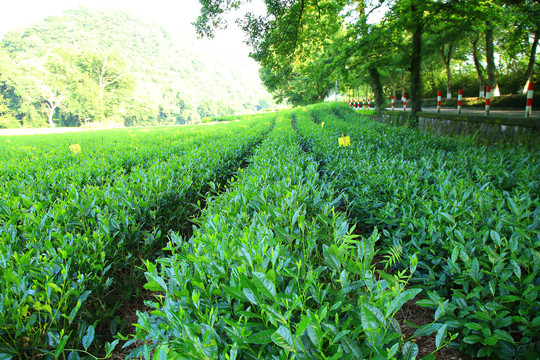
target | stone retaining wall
[{"x": 484, "y": 130}]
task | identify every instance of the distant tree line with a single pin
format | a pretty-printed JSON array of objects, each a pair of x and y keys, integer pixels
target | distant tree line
[{"x": 88, "y": 66}]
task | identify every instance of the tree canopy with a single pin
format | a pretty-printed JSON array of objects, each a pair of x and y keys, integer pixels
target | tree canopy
[{"x": 421, "y": 46}]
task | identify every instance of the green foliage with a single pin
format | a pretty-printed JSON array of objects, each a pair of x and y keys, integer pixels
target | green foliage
[
  {"x": 470, "y": 215},
  {"x": 117, "y": 67},
  {"x": 417, "y": 47},
  {"x": 273, "y": 270},
  {"x": 73, "y": 227},
  {"x": 300, "y": 249}
]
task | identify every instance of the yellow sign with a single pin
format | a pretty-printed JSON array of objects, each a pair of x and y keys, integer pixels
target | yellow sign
[
  {"x": 75, "y": 148},
  {"x": 322, "y": 124},
  {"x": 344, "y": 141}
]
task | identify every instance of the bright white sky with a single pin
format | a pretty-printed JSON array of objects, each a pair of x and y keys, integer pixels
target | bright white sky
[{"x": 174, "y": 15}]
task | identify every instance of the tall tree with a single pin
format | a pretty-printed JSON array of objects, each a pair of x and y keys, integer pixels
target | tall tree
[
  {"x": 522, "y": 38},
  {"x": 479, "y": 68},
  {"x": 490, "y": 58},
  {"x": 53, "y": 98},
  {"x": 108, "y": 70}
]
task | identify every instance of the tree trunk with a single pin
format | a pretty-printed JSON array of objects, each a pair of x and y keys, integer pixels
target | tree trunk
[
  {"x": 446, "y": 60},
  {"x": 377, "y": 89},
  {"x": 479, "y": 69},
  {"x": 492, "y": 79},
  {"x": 532, "y": 59},
  {"x": 416, "y": 60},
  {"x": 51, "y": 113}
]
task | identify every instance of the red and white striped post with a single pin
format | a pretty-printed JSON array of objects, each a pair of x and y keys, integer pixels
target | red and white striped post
[
  {"x": 488, "y": 98},
  {"x": 439, "y": 95},
  {"x": 393, "y": 102},
  {"x": 528, "y": 107},
  {"x": 363, "y": 103},
  {"x": 459, "y": 97},
  {"x": 404, "y": 102},
  {"x": 369, "y": 103}
]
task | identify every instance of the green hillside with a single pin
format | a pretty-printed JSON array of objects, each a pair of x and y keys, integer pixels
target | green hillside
[{"x": 87, "y": 65}]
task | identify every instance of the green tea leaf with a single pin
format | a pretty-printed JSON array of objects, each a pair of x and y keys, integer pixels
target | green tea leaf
[
  {"x": 262, "y": 338},
  {"x": 275, "y": 312},
  {"x": 473, "y": 326},
  {"x": 491, "y": 340},
  {"x": 39, "y": 307},
  {"x": 495, "y": 237},
  {"x": 400, "y": 300},
  {"x": 55, "y": 287},
  {"x": 315, "y": 335},
  {"x": 441, "y": 335},
  {"x": 535, "y": 322},
  {"x": 472, "y": 339},
  {"x": 265, "y": 286},
  {"x": 234, "y": 293},
  {"x": 448, "y": 217},
  {"x": 88, "y": 338},
  {"x": 516, "y": 268},
  {"x": 12, "y": 277},
  {"x": 331, "y": 258},
  {"x": 109, "y": 347},
  {"x": 410, "y": 351},
  {"x": 427, "y": 329},
  {"x": 474, "y": 269},
  {"x": 283, "y": 338},
  {"x": 352, "y": 346},
  {"x": 503, "y": 335},
  {"x": 371, "y": 318},
  {"x": 250, "y": 295}
]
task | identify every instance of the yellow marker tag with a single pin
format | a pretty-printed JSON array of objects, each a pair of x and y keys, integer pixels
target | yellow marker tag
[
  {"x": 322, "y": 124},
  {"x": 75, "y": 148},
  {"x": 344, "y": 141}
]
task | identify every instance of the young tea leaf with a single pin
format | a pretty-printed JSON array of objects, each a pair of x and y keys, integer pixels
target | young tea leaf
[{"x": 283, "y": 338}]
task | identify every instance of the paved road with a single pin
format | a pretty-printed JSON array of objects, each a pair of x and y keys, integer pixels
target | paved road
[{"x": 480, "y": 112}]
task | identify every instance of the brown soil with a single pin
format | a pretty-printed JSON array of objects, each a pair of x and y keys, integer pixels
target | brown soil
[
  {"x": 128, "y": 313},
  {"x": 419, "y": 315}
]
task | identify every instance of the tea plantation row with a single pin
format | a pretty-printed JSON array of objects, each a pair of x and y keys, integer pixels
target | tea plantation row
[
  {"x": 291, "y": 237},
  {"x": 274, "y": 271},
  {"x": 469, "y": 214},
  {"x": 74, "y": 227},
  {"x": 283, "y": 263}
]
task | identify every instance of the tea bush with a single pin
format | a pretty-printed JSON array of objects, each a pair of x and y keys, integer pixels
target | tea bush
[
  {"x": 274, "y": 271},
  {"x": 470, "y": 214},
  {"x": 73, "y": 227}
]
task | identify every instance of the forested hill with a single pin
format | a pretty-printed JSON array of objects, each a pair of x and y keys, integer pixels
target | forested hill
[{"x": 107, "y": 65}]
